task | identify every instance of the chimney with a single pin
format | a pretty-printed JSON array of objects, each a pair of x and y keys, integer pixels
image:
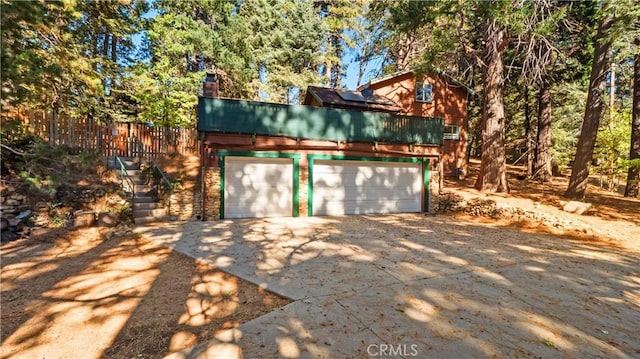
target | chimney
[{"x": 210, "y": 86}]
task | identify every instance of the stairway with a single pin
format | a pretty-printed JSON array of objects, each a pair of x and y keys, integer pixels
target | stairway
[{"x": 146, "y": 207}]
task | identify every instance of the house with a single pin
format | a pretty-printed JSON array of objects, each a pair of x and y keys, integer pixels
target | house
[
  {"x": 430, "y": 96},
  {"x": 264, "y": 159}
]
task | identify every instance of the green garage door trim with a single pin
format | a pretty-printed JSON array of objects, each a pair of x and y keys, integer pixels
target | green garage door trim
[
  {"x": 425, "y": 172},
  {"x": 296, "y": 173}
]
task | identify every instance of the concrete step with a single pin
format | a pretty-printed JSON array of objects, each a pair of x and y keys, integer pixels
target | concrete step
[
  {"x": 142, "y": 220},
  {"x": 147, "y": 205},
  {"x": 130, "y": 163},
  {"x": 134, "y": 172},
  {"x": 143, "y": 188},
  {"x": 139, "y": 180},
  {"x": 159, "y": 212},
  {"x": 144, "y": 199}
]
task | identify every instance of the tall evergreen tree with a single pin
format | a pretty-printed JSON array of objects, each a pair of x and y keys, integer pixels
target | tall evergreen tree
[
  {"x": 186, "y": 40},
  {"x": 493, "y": 171},
  {"x": 287, "y": 47},
  {"x": 632, "y": 188},
  {"x": 339, "y": 17},
  {"x": 594, "y": 111},
  {"x": 536, "y": 51}
]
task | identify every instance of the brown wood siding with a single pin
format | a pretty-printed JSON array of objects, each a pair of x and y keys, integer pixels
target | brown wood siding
[
  {"x": 215, "y": 142},
  {"x": 449, "y": 103}
]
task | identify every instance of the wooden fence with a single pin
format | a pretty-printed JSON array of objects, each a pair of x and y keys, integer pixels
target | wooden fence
[{"x": 120, "y": 139}]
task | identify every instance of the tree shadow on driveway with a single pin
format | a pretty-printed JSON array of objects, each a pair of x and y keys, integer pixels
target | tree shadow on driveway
[{"x": 415, "y": 285}]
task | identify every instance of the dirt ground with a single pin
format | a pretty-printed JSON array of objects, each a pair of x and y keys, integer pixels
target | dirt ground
[
  {"x": 77, "y": 295},
  {"x": 612, "y": 219},
  {"x": 88, "y": 294}
]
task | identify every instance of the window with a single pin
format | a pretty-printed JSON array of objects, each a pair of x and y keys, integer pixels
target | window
[
  {"x": 451, "y": 132},
  {"x": 424, "y": 92}
]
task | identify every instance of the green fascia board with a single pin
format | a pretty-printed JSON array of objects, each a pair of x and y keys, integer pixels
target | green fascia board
[
  {"x": 317, "y": 123},
  {"x": 312, "y": 157},
  {"x": 296, "y": 173}
]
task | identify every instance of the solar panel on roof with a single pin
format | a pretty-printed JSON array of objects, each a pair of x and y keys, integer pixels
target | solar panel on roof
[
  {"x": 380, "y": 100},
  {"x": 351, "y": 96},
  {"x": 367, "y": 96}
]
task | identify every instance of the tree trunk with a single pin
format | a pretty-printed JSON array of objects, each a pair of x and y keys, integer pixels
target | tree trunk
[
  {"x": 612, "y": 88},
  {"x": 335, "y": 67},
  {"x": 527, "y": 132},
  {"x": 54, "y": 130},
  {"x": 114, "y": 49},
  {"x": 633, "y": 177},
  {"x": 493, "y": 170},
  {"x": 103, "y": 67},
  {"x": 105, "y": 45},
  {"x": 542, "y": 166},
  {"x": 593, "y": 112}
]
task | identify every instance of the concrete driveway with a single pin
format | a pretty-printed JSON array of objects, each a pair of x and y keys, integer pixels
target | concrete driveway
[{"x": 411, "y": 285}]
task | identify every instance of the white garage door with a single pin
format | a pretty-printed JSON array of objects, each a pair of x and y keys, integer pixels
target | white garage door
[
  {"x": 357, "y": 187},
  {"x": 258, "y": 187}
]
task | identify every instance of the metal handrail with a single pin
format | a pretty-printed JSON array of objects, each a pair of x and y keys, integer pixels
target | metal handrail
[
  {"x": 124, "y": 176},
  {"x": 164, "y": 179}
]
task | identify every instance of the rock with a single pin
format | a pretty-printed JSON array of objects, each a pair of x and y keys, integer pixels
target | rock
[
  {"x": 84, "y": 219},
  {"x": 575, "y": 207},
  {"x": 18, "y": 197},
  {"x": 12, "y": 202},
  {"x": 7, "y": 236},
  {"x": 14, "y": 222},
  {"x": 4, "y": 224},
  {"x": 8, "y": 209},
  {"x": 41, "y": 205},
  {"x": 24, "y": 215},
  {"x": 107, "y": 219}
]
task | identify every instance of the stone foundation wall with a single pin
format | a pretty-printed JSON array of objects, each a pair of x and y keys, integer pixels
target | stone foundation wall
[
  {"x": 212, "y": 196},
  {"x": 185, "y": 202},
  {"x": 12, "y": 203},
  {"x": 303, "y": 192},
  {"x": 434, "y": 189}
]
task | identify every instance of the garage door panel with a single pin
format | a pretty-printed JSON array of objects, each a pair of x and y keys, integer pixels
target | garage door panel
[
  {"x": 356, "y": 187},
  {"x": 364, "y": 207},
  {"x": 258, "y": 187}
]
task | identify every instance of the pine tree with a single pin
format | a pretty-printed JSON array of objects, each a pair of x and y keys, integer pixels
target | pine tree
[
  {"x": 493, "y": 171},
  {"x": 632, "y": 188},
  {"x": 595, "y": 105},
  {"x": 339, "y": 16},
  {"x": 287, "y": 47}
]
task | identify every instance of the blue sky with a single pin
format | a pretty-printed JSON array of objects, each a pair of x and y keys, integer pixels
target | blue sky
[{"x": 352, "y": 71}]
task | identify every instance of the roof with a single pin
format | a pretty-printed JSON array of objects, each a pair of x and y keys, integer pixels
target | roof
[
  {"x": 448, "y": 77},
  {"x": 337, "y": 98}
]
